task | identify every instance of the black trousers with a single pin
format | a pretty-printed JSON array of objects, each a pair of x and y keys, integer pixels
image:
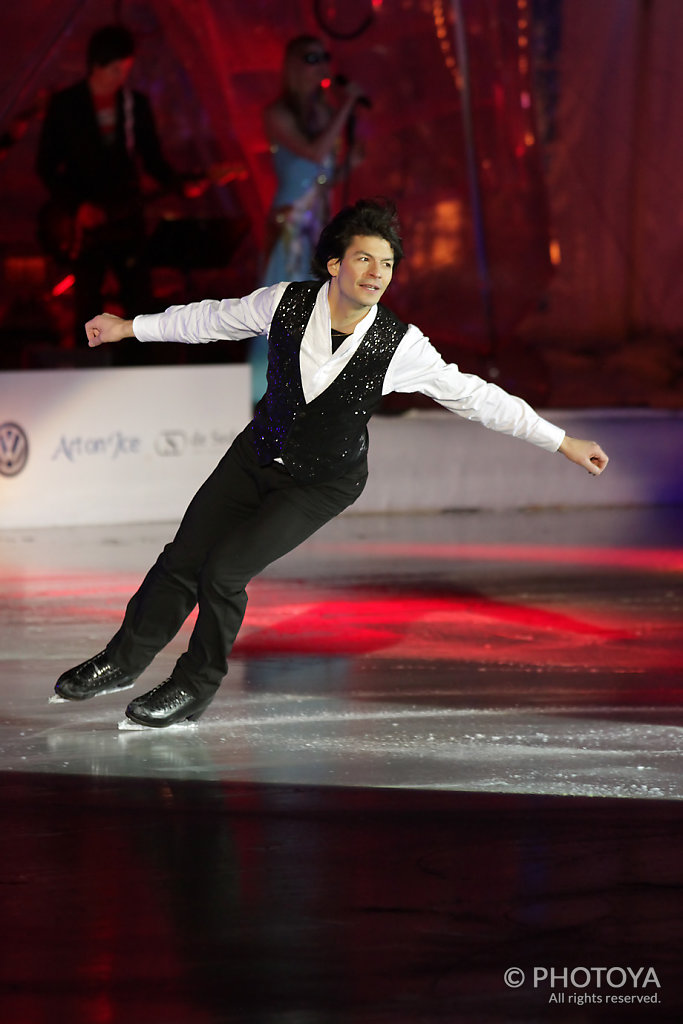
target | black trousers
[{"x": 243, "y": 517}]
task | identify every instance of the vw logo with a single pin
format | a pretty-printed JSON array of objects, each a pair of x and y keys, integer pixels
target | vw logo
[{"x": 13, "y": 449}]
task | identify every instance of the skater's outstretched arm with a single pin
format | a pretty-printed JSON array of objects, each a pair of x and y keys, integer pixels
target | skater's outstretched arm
[
  {"x": 106, "y": 327},
  {"x": 588, "y": 454}
]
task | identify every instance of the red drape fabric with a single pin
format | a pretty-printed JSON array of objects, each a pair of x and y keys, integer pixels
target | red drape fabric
[{"x": 607, "y": 187}]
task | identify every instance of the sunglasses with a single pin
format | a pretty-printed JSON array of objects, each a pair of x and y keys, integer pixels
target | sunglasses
[{"x": 317, "y": 57}]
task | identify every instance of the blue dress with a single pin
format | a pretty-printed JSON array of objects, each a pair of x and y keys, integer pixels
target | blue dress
[{"x": 299, "y": 211}]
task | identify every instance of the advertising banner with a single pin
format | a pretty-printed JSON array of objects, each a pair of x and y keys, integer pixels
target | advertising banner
[{"x": 113, "y": 445}]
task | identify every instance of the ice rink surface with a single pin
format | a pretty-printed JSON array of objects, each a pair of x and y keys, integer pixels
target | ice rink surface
[{"x": 448, "y": 745}]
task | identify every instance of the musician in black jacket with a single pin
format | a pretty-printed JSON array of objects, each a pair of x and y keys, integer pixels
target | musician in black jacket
[
  {"x": 333, "y": 353},
  {"x": 95, "y": 136}
]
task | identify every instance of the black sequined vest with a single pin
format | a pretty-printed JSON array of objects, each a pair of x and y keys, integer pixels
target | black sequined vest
[{"x": 320, "y": 440}]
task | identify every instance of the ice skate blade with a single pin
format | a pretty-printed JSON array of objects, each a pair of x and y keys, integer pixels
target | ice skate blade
[
  {"x": 125, "y": 725},
  {"x": 56, "y": 699}
]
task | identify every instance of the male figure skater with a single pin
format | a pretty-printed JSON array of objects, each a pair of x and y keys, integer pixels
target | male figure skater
[{"x": 333, "y": 352}]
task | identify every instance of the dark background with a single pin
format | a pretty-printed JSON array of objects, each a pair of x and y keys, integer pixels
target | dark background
[{"x": 533, "y": 147}]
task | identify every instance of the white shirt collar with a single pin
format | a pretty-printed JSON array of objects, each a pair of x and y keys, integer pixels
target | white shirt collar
[{"x": 318, "y": 364}]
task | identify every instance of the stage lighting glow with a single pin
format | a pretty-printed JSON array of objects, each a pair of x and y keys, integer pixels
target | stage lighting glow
[{"x": 64, "y": 285}]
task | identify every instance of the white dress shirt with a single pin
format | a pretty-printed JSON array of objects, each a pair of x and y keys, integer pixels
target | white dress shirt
[{"x": 415, "y": 366}]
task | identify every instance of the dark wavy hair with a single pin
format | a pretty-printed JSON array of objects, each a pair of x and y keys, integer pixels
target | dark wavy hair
[
  {"x": 108, "y": 44},
  {"x": 376, "y": 218}
]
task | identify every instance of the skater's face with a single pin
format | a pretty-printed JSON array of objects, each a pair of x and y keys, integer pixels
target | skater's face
[{"x": 363, "y": 274}]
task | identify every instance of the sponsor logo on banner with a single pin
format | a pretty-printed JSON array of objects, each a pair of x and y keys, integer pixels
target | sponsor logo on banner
[
  {"x": 179, "y": 442},
  {"x": 109, "y": 446},
  {"x": 117, "y": 444},
  {"x": 170, "y": 442},
  {"x": 13, "y": 449}
]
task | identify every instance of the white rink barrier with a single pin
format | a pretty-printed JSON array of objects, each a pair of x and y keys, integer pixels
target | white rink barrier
[
  {"x": 113, "y": 445},
  {"x": 434, "y": 461},
  {"x": 132, "y": 445}
]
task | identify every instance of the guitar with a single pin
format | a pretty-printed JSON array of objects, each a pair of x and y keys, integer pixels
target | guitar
[
  {"x": 19, "y": 124},
  {"x": 62, "y": 235}
]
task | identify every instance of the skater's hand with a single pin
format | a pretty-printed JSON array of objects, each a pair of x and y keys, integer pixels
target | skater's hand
[
  {"x": 588, "y": 454},
  {"x": 106, "y": 327}
]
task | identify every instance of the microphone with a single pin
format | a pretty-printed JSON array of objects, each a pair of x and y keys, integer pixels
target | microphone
[{"x": 363, "y": 101}]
